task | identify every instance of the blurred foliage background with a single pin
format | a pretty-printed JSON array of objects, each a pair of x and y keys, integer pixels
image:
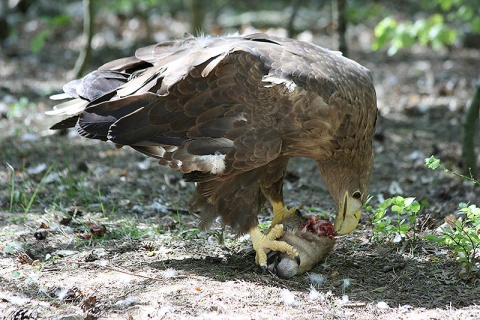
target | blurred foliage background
[
  {"x": 87, "y": 33},
  {"x": 394, "y": 25}
]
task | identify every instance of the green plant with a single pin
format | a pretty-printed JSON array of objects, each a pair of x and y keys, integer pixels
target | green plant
[
  {"x": 264, "y": 226},
  {"x": 183, "y": 230},
  {"x": 67, "y": 183},
  {"x": 126, "y": 229},
  {"x": 51, "y": 23},
  {"x": 190, "y": 233},
  {"x": 12, "y": 186},
  {"x": 34, "y": 195},
  {"x": 449, "y": 18},
  {"x": 431, "y": 31},
  {"x": 403, "y": 226},
  {"x": 462, "y": 236},
  {"x": 102, "y": 205},
  {"x": 21, "y": 196},
  {"x": 74, "y": 187},
  {"x": 19, "y": 107},
  {"x": 464, "y": 11},
  {"x": 434, "y": 163}
]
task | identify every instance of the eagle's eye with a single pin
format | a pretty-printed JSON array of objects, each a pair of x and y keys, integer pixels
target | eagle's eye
[{"x": 357, "y": 195}]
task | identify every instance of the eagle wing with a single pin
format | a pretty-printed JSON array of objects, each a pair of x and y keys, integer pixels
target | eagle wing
[{"x": 198, "y": 105}]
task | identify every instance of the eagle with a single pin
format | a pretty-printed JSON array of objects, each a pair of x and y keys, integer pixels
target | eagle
[{"x": 229, "y": 112}]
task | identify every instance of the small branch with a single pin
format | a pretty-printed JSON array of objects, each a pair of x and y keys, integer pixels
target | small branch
[
  {"x": 471, "y": 178},
  {"x": 117, "y": 270},
  {"x": 126, "y": 272}
]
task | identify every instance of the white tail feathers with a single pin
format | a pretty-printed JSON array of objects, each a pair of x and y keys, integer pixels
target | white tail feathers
[{"x": 69, "y": 108}]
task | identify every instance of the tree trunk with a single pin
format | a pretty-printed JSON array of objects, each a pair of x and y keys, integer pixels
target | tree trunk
[
  {"x": 340, "y": 12},
  {"x": 469, "y": 159},
  {"x": 291, "y": 27},
  {"x": 197, "y": 14},
  {"x": 88, "y": 30}
]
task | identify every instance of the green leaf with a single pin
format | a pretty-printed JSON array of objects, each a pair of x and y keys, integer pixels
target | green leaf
[
  {"x": 38, "y": 42},
  {"x": 397, "y": 208},
  {"x": 475, "y": 24},
  {"x": 432, "y": 162},
  {"x": 466, "y": 12},
  {"x": 403, "y": 228},
  {"x": 384, "y": 205},
  {"x": 60, "y": 20},
  {"x": 385, "y": 26},
  {"x": 474, "y": 237},
  {"x": 392, "y": 51},
  {"x": 435, "y": 19},
  {"x": 462, "y": 205},
  {"x": 434, "y": 238},
  {"x": 446, "y": 5},
  {"x": 415, "y": 207},
  {"x": 459, "y": 225},
  {"x": 384, "y": 32}
]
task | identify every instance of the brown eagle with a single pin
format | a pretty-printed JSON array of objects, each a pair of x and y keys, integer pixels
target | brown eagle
[{"x": 229, "y": 112}]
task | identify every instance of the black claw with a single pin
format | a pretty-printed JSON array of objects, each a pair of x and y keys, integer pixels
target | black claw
[
  {"x": 297, "y": 258},
  {"x": 298, "y": 213},
  {"x": 264, "y": 269}
]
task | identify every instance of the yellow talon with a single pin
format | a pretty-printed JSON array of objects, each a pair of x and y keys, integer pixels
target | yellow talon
[
  {"x": 262, "y": 244},
  {"x": 280, "y": 212}
]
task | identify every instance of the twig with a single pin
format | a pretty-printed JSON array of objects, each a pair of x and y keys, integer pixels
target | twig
[
  {"x": 126, "y": 272},
  {"x": 471, "y": 178},
  {"x": 354, "y": 305}
]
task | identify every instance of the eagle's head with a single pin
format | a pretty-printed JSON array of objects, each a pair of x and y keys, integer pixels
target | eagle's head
[
  {"x": 348, "y": 211},
  {"x": 348, "y": 183}
]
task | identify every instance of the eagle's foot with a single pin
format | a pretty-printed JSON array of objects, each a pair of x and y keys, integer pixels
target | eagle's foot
[
  {"x": 264, "y": 243},
  {"x": 280, "y": 212}
]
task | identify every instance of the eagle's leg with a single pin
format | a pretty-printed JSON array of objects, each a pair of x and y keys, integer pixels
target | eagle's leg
[
  {"x": 280, "y": 212},
  {"x": 264, "y": 243}
]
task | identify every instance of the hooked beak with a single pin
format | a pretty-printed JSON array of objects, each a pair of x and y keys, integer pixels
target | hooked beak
[{"x": 348, "y": 215}]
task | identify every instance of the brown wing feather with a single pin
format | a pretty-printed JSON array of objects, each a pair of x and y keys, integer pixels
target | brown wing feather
[{"x": 144, "y": 118}]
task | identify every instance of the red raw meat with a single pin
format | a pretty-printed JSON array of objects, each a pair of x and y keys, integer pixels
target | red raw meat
[{"x": 321, "y": 228}]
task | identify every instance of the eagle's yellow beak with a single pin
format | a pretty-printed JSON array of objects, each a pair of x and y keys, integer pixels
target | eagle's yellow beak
[{"x": 349, "y": 212}]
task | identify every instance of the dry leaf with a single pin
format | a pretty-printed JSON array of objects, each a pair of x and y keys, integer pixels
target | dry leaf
[
  {"x": 96, "y": 230},
  {"x": 451, "y": 220}
]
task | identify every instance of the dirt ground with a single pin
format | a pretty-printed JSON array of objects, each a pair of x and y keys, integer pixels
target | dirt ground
[{"x": 153, "y": 262}]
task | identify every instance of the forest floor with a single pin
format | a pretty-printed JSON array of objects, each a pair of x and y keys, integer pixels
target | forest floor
[{"x": 154, "y": 262}]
